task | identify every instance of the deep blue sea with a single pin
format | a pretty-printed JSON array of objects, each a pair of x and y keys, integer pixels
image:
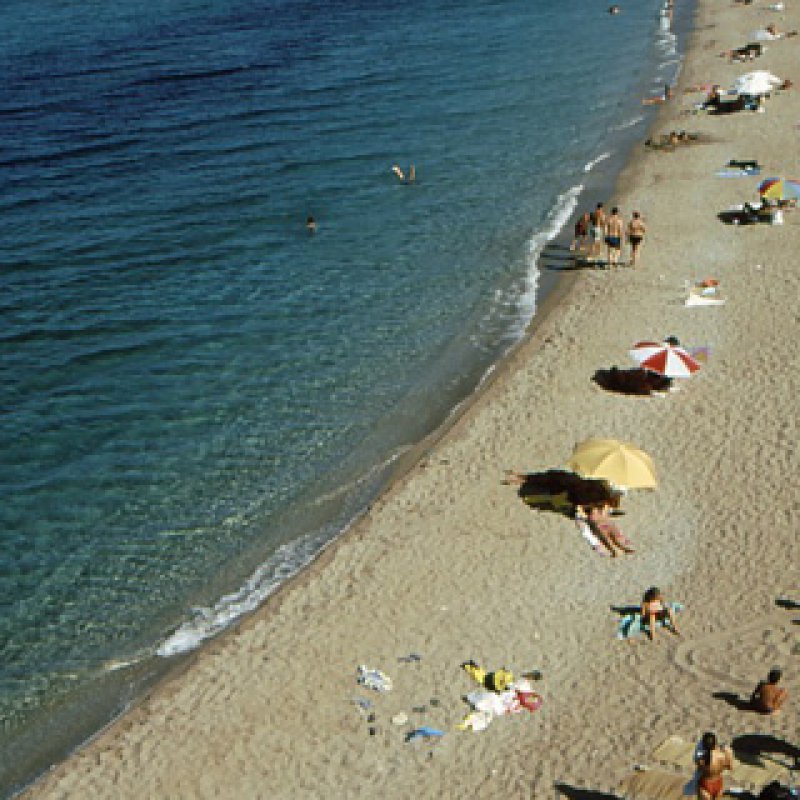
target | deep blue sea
[{"x": 198, "y": 393}]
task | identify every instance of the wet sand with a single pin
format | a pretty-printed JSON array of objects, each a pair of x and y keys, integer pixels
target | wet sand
[{"x": 450, "y": 564}]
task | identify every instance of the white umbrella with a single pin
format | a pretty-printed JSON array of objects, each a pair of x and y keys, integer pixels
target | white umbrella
[{"x": 757, "y": 83}]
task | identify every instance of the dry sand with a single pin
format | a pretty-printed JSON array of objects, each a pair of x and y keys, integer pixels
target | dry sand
[{"x": 451, "y": 565}]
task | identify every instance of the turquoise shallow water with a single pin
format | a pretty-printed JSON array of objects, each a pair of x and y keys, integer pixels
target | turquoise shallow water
[{"x": 198, "y": 394}]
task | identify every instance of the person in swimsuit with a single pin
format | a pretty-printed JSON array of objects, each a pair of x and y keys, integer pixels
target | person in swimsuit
[
  {"x": 599, "y": 519},
  {"x": 768, "y": 697},
  {"x": 614, "y": 227},
  {"x": 581, "y": 231},
  {"x": 636, "y": 231},
  {"x": 711, "y": 760},
  {"x": 598, "y": 217},
  {"x": 655, "y": 610}
]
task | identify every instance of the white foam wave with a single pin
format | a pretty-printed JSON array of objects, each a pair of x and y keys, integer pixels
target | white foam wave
[
  {"x": 595, "y": 161},
  {"x": 287, "y": 561},
  {"x": 554, "y": 222},
  {"x": 208, "y": 621},
  {"x": 629, "y": 123}
]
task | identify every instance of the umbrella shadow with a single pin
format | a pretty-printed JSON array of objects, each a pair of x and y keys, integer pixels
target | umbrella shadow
[
  {"x": 574, "y": 793},
  {"x": 560, "y": 491},
  {"x": 635, "y": 382}
]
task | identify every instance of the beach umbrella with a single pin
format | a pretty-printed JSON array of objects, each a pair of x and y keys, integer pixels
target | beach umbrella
[
  {"x": 622, "y": 464},
  {"x": 780, "y": 189},
  {"x": 665, "y": 358},
  {"x": 757, "y": 83}
]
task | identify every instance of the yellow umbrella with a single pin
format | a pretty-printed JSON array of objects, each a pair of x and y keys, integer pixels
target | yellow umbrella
[{"x": 620, "y": 463}]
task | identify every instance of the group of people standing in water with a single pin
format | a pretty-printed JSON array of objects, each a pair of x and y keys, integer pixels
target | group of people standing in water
[{"x": 597, "y": 227}]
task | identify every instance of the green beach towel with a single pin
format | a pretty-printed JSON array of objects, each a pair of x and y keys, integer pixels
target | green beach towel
[{"x": 633, "y": 624}]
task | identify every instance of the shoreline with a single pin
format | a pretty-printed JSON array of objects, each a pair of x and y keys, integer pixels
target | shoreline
[
  {"x": 398, "y": 474},
  {"x": 548, "y": 332}
]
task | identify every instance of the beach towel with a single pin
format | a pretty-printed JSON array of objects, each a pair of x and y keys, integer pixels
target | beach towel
[
  {"x": 634, "y": 625},
  {"x": 374, "y": 679},
  {"x": 738, "y": 173},
  {"x": 587, "y": 533}
]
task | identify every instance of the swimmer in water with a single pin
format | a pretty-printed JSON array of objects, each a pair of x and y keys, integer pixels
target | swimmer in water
[
  {"x": 614, "y": 10},
  {"x": 311, "y": 224},
  {"x": 412, "y": 174}
]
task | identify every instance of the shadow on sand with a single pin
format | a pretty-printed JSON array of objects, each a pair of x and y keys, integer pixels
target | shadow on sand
[
  {"x": 573, "y": 793},
  {"x": 734, "y": 700}
]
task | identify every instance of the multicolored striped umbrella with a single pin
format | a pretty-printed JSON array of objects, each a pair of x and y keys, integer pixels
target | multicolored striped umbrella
[
  {"x": 780, "y": 189},
  {"x": 665, "y": 358}
]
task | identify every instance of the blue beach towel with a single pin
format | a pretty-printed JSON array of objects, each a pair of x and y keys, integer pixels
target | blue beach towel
[
  {"x": 633, "y": 625},
  {"x": 424, "y": 733},
  {"x": 738, "y": 173}
]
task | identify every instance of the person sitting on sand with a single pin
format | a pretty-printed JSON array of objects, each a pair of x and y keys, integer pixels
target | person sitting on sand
[
  {"x": 768, "y": 697},
  {"x": 711, "y": 760},
  {"x": 599, "y": 519},
  {"x": 655, "y": 610}
]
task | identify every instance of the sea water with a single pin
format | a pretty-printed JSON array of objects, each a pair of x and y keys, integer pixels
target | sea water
[{"x": 197, "y": 392}]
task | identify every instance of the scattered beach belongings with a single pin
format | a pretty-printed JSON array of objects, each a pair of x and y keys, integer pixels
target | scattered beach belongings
[
  {"x": 374, "y": 679},
  {"x": 501, "y": 694},
  {"x": 704, "y": 293},
  {"x": 561, "y": 490},
  {"x": 410, "y": 658},
  {"x": 425, "y": 733},
  {"x": 637, "y": 382},
  {"x": 665, "y": 358},
  {"x": 622, "y": 464},
  {"x": 400, "y": 718}
]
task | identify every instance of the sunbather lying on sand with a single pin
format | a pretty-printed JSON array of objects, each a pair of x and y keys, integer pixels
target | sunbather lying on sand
[
  {"x": 655, "y": 609},
  {"x": 599, "y": 519},
  {"x": 747, "y": 53}
]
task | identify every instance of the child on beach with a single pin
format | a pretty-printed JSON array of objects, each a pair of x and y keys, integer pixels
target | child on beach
[{"x": 655, "y": 610}]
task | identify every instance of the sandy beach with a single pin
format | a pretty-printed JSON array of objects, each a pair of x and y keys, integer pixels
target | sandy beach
[{"x": 449, "y": 564}]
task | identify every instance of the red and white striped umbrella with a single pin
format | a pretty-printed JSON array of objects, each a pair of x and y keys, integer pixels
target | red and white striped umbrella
[{"x": 669, "y": 360}]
